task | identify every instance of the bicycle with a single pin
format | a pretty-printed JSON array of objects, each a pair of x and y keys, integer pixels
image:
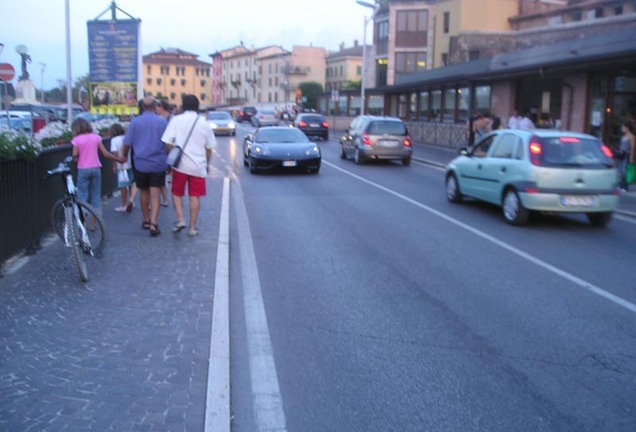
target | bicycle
[{"x": 76, "y": 222}]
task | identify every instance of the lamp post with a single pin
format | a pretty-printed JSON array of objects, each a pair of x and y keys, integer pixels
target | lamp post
[
  {"x": 375, "y": 8},
  {"x": 42, "y": 67}
]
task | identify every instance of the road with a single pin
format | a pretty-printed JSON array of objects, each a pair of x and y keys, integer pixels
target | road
[
  {"x": 359, "y": 300},
  {"x": 389, "y": 309}
]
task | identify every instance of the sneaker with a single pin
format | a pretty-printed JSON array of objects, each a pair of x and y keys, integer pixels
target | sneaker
[
  {"x": 193, "y": 232},
  {"x": 178, "y": 226},
  {"x": 120, "y": 209}
]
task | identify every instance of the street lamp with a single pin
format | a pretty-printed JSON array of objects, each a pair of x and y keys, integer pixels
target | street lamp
[
  {"x": 43, "y": 66},
  {"x": 375, "y": 8}
]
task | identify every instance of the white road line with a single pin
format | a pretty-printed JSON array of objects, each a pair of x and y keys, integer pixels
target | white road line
[
  {"x": 217, "y": 404},
  {"x": 570, "y": 277},
  {"x": 267, "y": 400}
]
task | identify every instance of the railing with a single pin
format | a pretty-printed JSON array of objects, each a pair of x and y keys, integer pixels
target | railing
[{"x": 26, "y": 201}]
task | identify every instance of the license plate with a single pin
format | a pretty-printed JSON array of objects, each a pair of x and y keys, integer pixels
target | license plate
[
  {"x": 579, "y": 201},
  {"x": 291, "y": 163},
  {"x": 386, "y": 143},
  {"x": 314, "y": 124}
]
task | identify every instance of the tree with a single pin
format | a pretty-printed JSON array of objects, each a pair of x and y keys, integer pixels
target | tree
[
  {"x": 353, "y": 85},
  {"x": 310, "y": 91}
]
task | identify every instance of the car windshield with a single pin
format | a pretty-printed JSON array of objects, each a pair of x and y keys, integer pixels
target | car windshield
[
  {"x": 312, "y": 119},
  {"x": 284, "y": 135},
  {"x": 387, "y": 127},
  {"x": 218, "y": 116},
  {"x": 574, "y": 152}
]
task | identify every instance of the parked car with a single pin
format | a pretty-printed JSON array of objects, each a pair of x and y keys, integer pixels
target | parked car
[
  {"x": 221, "y": 122},
  {"x": 312, "y": 125},
  {"x": 372, "y": 137},
  {"x": 537, "y": 170},
  {"x": 280, "y": 147},
  {"x": 21, "y": 124},
  {"x": 246, "y": 113},
  {"x": 264, "y": 117}
]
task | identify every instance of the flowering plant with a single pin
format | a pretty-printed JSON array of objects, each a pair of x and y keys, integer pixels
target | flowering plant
[{"x": 15, "y": 144}]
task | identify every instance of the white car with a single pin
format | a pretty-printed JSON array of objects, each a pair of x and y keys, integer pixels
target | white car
[
  {"x": 264, "y": 117},
  {"x": 221, "y": 122}
]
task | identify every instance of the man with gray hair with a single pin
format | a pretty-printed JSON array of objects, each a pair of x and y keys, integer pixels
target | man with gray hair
[{"x": 149, "y": 160}]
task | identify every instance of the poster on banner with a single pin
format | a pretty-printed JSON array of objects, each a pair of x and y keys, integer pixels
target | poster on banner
[{"x": 114, "y": 61}]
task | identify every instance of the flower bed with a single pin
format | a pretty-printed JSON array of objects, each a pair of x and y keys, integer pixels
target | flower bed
[{"x": 18, "y": 144}]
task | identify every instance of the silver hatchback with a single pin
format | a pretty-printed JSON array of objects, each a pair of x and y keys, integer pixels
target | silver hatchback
[
  {"x": 537, "y": 170},
  {"x": 375, "y": 138}
]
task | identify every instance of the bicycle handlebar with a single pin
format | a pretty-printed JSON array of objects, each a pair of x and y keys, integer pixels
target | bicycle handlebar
[{"x": 62, "y": 168}]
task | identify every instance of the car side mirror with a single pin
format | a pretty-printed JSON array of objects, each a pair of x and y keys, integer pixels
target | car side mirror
[
  {"x": 249, "y": 138},
  {"x": 464, "y": 151}
]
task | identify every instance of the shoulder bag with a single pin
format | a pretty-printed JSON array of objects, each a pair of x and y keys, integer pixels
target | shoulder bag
[{"x": 174, "y": 156}]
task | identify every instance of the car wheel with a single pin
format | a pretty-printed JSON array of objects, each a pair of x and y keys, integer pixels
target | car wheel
[
  {"x": 514, "y": 212},
  {"x": 453, "y": 193},
  {"x": 343, "y": 155},
  {"x": 406, "y": 161},
  {"x": 357, "y": 157},
  {"x": 252, "y": 165},
  {"x": 326, "y": 137},
  {"x": 599, "y": 219}
]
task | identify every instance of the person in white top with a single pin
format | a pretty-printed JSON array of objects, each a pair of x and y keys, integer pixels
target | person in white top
[
  {"x": 194, "y": 136},
  {"x": 526, "y": 122},
  {"x": 513, "y": 121}
]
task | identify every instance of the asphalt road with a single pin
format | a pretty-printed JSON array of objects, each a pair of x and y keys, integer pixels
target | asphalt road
[{"x": 359, "y": 300}]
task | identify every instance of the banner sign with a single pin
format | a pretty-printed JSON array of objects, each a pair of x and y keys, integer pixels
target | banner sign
[{"x": 113, "y": 52}]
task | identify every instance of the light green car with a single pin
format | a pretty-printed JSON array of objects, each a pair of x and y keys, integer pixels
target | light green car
[{"x": 537, "y": 170}]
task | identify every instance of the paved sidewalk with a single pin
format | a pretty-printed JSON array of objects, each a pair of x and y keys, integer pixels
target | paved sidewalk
[
  {"x": 126, "y": 351},
  {"x": 441, "y": 156}
]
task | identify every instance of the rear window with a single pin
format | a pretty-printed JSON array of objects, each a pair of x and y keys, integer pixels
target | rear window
[
  {"x": 312, "y": 119},
  {"x": 386, "y": 127},
  {"x": 572, "y": 152}
]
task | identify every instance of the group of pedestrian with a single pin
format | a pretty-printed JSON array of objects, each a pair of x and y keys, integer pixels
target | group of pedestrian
[
  {"x": 140, "y": 154},
  {"x": 626, "y": 155},
  {"x": 517, "y": 121}
]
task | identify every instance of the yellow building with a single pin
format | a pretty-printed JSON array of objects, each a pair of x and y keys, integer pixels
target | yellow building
[{"x": 171, "y": 72}]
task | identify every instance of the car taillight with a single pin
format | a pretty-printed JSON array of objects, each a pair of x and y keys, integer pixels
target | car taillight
[
  {"x": 535, "y": 151},
  {"x": 407, "y": 141},
  {"x": 302, "y": 123},
  {"x": 607, "y": 151},
  {"x": 325, "y": 124},
  {"x": 365, "y": 139}
]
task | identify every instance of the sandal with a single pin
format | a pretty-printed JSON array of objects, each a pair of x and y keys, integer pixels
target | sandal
[
  {"x": 146, "y": 224},
  {"x": 178, "y": 226},
  {"x": 154, "y": 230}
]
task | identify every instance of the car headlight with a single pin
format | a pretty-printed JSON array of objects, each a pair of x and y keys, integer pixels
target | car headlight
[
  {"x": 260, "y": 150},
  {"x": 231, "y": 125},
  {"x": 213, "y": 125},
  {"x": 312, "y": 150}
]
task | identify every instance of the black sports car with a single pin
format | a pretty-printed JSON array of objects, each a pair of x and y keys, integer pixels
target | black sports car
[{"x": 280, "y": 147}]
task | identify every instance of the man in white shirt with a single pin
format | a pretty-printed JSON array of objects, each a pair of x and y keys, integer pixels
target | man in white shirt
[
  {"x": 513, "y": 121},
  {"x": 526, "y": 122},
  {"x": 194, "y": 136}
]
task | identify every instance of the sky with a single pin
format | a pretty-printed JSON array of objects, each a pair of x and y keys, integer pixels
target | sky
[{"x": 198, "y": 26}]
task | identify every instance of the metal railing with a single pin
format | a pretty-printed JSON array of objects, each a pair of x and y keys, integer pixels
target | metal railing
[{"x": 26, "y": 200}]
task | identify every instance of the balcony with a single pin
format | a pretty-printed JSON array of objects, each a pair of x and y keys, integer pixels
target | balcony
[{"x": 296, "y": 70}]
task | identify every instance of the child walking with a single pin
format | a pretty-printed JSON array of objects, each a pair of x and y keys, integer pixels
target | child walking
[
  {"x": 124, "y": 171},
  {"x": 86, "y": 144}
]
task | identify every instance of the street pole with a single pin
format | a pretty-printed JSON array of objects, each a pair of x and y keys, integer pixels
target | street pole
[
  {"x": 363, "y": 83},
  {"x": 43, "y": 65},
  {"x": 69, "y": 83}
]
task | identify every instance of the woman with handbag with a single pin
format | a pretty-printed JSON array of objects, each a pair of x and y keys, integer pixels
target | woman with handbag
[{"x": 627, "y": 150}]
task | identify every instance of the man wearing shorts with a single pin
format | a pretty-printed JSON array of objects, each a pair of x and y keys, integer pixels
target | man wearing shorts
[
  {"x": 191, "y": 133},
  {"x": 149, "y": 160}
]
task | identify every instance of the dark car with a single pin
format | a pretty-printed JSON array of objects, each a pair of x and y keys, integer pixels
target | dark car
[
  {"x": 375, "y": 138},
  {"x": 246, "y": 114},
  {"x": 280, "y": 147},
  {"x": 312, "y": 125}
]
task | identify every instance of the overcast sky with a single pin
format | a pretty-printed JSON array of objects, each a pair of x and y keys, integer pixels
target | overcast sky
[{"x": 198, "y": 26}]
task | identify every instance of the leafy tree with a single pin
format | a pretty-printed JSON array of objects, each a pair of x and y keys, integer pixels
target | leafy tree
[
  {"x": 310, "y": 91},
  {"x": 353, "y": 85}
]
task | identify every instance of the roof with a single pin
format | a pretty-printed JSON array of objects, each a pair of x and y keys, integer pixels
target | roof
[
  {"x": 612, "y": 46},
  {"x": 173, "y": 56},
  {"x": 355, "y": 51}
]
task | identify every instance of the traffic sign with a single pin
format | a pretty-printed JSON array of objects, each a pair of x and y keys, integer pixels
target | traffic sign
[{"x": 7, "y": 72}]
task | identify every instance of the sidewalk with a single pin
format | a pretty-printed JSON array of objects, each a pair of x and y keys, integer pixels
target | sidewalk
[{"x": 441, "y": 156}]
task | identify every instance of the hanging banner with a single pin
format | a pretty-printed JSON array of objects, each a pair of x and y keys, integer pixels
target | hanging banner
[{"x": 113, "y": 52}]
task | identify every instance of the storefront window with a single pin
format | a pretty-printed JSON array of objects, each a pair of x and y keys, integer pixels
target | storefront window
[
  {"x": 449, "y": 106},
  {"x": 464, "y": 104},
  {"x": 436, "y": 104},
  {"x": 354, "y": 109},
  {"x": 375, "y": 105},
  {"x": 482, "y": 98}
]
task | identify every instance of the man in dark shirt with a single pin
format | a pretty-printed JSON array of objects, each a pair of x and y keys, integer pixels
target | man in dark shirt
[{"x": 149, "y": 159}]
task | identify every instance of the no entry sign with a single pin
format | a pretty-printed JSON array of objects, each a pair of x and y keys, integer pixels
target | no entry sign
[{"x": 7, "y": 72}]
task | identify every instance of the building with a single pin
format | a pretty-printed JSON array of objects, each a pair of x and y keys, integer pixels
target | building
[
  {"x": 171, "y": 72},
  {"x": 344, "y": 67},
  {"x": 265, "y": 76}
]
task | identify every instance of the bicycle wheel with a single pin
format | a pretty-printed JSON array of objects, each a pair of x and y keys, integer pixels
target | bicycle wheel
[
  {"x": 74, "y": 233},
  {"x": 89, "y": 216}
]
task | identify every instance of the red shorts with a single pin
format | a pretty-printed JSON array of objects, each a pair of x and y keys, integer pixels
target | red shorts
[{"x": 196, "y": 185}]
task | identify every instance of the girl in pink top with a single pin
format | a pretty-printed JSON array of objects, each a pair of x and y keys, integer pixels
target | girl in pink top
[{"x": 86, "y": 144}]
